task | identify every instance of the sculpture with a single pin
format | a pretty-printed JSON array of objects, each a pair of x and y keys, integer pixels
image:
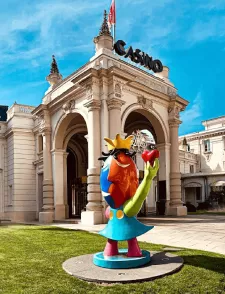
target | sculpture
[{"x": 119, "y": 185}]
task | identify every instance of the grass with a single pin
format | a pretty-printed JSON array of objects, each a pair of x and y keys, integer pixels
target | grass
[
  {"x": 31, "y": 260},
  {"x": 208, "y": 212}
]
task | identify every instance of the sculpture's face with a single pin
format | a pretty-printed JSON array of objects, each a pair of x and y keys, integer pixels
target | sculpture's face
[{"x": 118, "y": 179}]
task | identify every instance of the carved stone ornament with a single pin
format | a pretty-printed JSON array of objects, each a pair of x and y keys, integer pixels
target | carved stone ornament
[
  {"x": 69, "y": 106},
  {"x": 174, "y": 112},
  {"x": 118, "y": 91},
  {"x": 144, "y": 102},
  {"x": 89, "y": 92},
  {"x": 42, "y": 123},
  {"x": 171, "y": 92}
]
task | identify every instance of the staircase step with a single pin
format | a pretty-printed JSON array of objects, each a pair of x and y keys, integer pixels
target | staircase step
[
  {"x": 3, "y": 221},
  {"x": 68, "y": 221}
]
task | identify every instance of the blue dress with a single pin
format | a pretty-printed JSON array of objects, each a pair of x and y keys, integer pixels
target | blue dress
[{"x": 120, "y": 227}]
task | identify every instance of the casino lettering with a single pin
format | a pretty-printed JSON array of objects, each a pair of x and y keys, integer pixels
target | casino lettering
[{"x": 138, "y": 56}]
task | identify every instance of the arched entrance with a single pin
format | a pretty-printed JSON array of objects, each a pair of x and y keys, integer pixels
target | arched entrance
[
  {"x": 77, "y": 163},
  {"x": 70, "y": 158},
  {"x": 149, "y": 134}
]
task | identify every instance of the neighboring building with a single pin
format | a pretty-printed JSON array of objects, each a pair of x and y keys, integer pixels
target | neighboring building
[
  {"x": 204, "y": 168},
  {"x": 49, "y": 154},
  {"x": 3, "y": 112}
]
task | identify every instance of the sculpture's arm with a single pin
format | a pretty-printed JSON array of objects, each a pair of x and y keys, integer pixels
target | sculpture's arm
[{"x": 133, "y": 205}]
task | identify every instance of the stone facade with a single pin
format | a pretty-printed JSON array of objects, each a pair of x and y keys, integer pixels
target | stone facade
[
  {"x": 104, "y": 97},
  {"x": 205, "y": 164}
]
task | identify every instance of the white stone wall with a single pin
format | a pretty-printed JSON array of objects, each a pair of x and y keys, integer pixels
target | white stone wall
[
  {"x": 211, "y": 164},
  {"x": 188, "y": 159},
  {"x": 3, "y": 169},
  {"x": 21, "y": 181},
  {"x": 212, "y": 161}
]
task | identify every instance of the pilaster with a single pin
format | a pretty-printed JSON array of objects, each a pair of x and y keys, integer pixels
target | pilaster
[
  {"x": 47, "y": 213},
  {"x": 176, "y": 205},
  {"x": 94, "y": 209}
]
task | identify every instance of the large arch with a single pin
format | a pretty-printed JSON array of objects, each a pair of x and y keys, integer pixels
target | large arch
[
  {"x": 137, "y": 118},
  {"x": 62, "y": 127},
  {"x": 69, "y": 138},
  {"x": 153, "y": 117}
]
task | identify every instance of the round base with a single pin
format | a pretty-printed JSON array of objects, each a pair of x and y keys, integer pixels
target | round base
[
  {"x": 121, "y": 260},
  {"x": 161, "y": 264}
]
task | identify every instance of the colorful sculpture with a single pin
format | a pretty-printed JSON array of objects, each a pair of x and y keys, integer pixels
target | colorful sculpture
[{"x": 119, "y": 185}]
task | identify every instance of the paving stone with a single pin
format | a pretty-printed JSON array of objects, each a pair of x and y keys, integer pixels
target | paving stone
[{"x": 195, "y": 232}]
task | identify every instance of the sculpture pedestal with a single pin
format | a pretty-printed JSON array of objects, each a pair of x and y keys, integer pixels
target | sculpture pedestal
[
  {"x": 161, "y": 264},
  {"x": 121, "y": 261}
]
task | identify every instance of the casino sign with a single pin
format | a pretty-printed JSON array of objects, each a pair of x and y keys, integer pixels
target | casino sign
[{"x": 138, "y": 56}]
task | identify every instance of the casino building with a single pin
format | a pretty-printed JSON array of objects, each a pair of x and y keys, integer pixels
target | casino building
[{"x": 49, "y": 167}]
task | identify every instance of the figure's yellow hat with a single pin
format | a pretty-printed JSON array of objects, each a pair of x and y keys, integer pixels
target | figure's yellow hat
[{"x": 119, "y": 143}]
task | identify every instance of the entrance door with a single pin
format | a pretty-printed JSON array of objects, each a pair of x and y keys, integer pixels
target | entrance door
[{"x": 76, "y": 187}]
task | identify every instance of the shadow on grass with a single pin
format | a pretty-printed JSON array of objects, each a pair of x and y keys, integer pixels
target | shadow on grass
[{"x": 215, "y": 264}]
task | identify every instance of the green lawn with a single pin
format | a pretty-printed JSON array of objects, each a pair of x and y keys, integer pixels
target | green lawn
[{"x": 31, "y": 262}]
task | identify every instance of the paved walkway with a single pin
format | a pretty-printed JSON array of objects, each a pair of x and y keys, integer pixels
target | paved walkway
[{"x": 204, "y": 232}]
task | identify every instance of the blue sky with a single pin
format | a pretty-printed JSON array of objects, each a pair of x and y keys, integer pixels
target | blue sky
[{"x": 188, "y": 36}]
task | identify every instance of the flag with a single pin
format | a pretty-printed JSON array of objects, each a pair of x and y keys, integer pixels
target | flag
[{"x": 112, "y": 14}]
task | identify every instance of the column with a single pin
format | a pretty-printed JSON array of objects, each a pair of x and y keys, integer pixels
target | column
[
  {"x": 114, "y": 107},
  {"x": 1, "y": 179},
  {"x": 47, "y": 213},
  {"x": 59, "y": 168},
  {"x": 65, "y": 155},
  {"x": 94, "y": 209},
  {"x": 104, "y": 114},
  {"x": 176, "y": 205}
]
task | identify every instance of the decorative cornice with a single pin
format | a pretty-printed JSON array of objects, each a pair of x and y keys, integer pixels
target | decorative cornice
[
  {"x": 93, "y": 105},
  {"x": 150, "y": 82},
  {"x": 115, "y": 103},
  {"x": 12, "y": 131},
  {"x": 207, "y": 135},
  {"x": 174, "y": 122}
]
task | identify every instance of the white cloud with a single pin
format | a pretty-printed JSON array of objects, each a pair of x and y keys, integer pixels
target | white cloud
[
  {"x": 213, "y": 5},
  {"x": 212, "y": 28},
  {"x": 191, "y": 117},
  {"x": 50, "y": 25}
]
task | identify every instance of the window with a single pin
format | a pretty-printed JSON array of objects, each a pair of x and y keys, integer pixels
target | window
[
  {"x": 207, "y": 146},
  {"x": 198, "y": 193},
  {"x": 191, "y": 169},
  {"x": 188, "y": 148}
]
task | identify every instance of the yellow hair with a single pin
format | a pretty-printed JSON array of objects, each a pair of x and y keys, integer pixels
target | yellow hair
[{"x": 119, "y": 143}]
